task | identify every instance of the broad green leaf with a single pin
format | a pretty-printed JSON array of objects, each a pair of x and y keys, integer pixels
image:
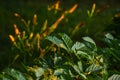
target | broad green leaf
[
  {"x": 14, "y": 74},
  {"x": 85, "y": 55},
  {"x": 84, "y": 76},
  {"x": 77, "y": 46},
  {"x": 114, "y": 77},
  {"x": 68, "y": 42},
  {"x": 58, "y": 72},
  {"x": 78, "y": 69},
  {"x": 56, "y": 41},
  {"x": 88, "y": 39},
  {"x": 109, "y": 36},
  {"x": 93, "y": 68},
  {"x": 39, "y": 72}
]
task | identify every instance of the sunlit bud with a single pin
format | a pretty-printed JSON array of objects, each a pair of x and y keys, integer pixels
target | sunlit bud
[
  {"x": 16, "y": 29},
  {"x": 12, "y": 38},
  {"x": 94, "y": 5},
  {"x": 35, "y": 19},
  {"x": 55, "y": 6},
  {"x": 31, "y": 35},
  {"x": 16, "y": 14},
  {"x": 93, "y": 8},
  {"x": 73, "y": 8}
]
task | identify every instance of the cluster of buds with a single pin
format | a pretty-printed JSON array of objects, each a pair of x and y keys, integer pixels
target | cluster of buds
[{"x": 16, "y": 30}]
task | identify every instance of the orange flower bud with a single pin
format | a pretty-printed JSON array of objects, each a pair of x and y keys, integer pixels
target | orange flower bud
[
  {"x": 35, "y": 19},
  {"x": 12, "y": 38},
  {"x": 16, "y": 29},
  {"x": 16, "y": 14},
  {"x": 73, "y": 8}
]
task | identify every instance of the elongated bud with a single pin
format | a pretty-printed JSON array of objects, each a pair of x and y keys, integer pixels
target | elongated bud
[
  {"x": 93, "y": 8},
  {"x": 31, "y": 35},
  {"x": 12, "y": 38},
  {"x": 35, "y": 19},
  {"x": 16, "y": 29},
  {"x": 44, "y": 26},
  {"x": 73, "y": 8}
]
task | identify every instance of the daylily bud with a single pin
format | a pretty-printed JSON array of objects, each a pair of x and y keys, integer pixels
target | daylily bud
[
  {"x": 35, "y": 19},
  {"x": 17, "y": 15},
  {"x": 93, "y": 8},
  {"x": 12, "y": 38},
  {"x": 16, "y": 29},
  {"x": 31, "y": 35},
  {"x": 73, "y": 8}
]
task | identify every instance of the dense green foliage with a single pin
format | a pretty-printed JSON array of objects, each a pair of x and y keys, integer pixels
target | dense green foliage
[{"x": 44, "y": 51}]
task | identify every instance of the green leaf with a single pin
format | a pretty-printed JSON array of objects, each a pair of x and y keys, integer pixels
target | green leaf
[
  {"x": 85, "y": 55},
  {"x": 114, "y": 77},
  {"x": 88, "y": 39},
  {"x": 68, "y": 42},
  {"x": 109, "y": 36},
  {"x": 12, "y": 73},
  {"x": 56, "y": 41},
  {"x": 5, "y": 77},
  {"x": 76, "y": 68},
  {"x": 58, "y": 72},
  {"x": 80, "y": 66},
  {"x": 77, "y": 46},
  {"x": 39, "y": 72},
  {"x": 93, "y": 68}
]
